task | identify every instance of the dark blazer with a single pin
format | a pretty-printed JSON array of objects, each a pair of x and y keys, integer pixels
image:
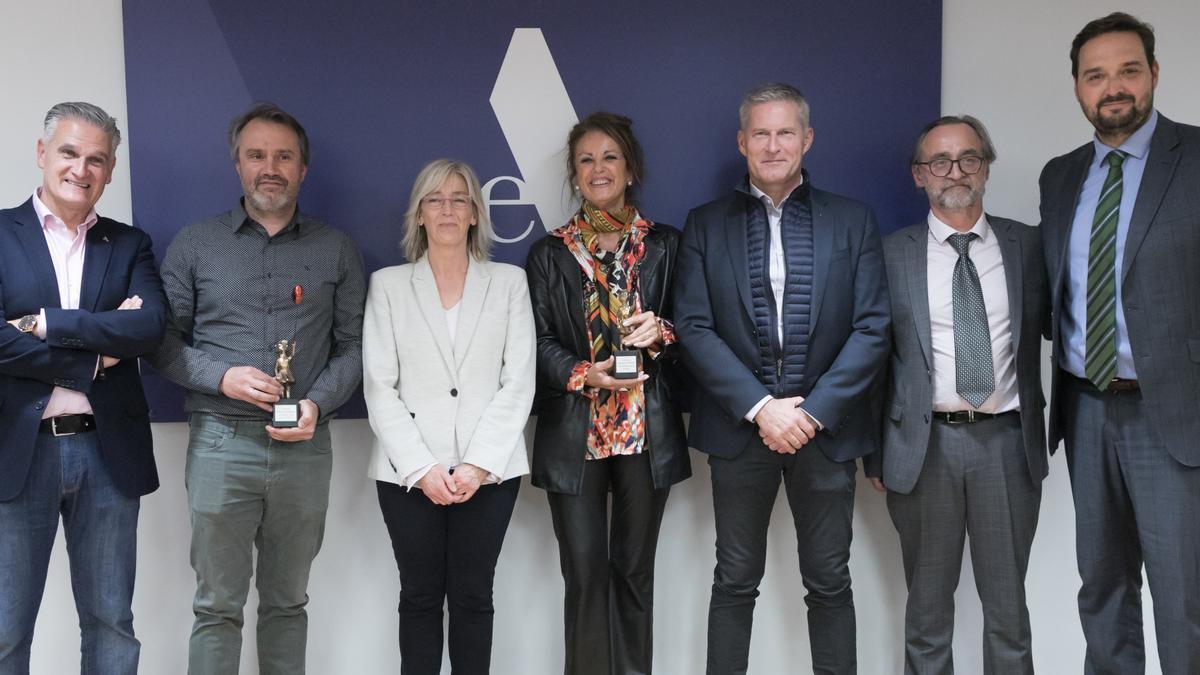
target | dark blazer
[
  {"x": 848, "y": 340},
  {"x": 118, "y": 264},
  {"x": 560, "y": 440},
  {"x": 1160, "y": 279},
  {"x": 909, "y": 394}
]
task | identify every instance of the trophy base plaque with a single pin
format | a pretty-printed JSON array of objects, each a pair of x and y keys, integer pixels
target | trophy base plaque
[
  {"x": 627, "y": 364},
  {"x": 285, "y": 414}
]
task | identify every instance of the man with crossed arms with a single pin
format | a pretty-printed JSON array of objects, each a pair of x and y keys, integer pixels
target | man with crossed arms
[{"x": 74, "y": 425}]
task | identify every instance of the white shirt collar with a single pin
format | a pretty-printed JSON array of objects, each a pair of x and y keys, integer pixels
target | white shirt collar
[
  {"x": 766, "y": 198},
  {"x": 941, "y": 231}
]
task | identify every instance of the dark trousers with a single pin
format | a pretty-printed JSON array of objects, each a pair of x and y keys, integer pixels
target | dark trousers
[
  {"x": 608, "y": 568},
  {"x": 447, "y": 556},
  {"x": 820, "y": 493},
  {"x": 1134, "y": 505},
  {"x": 975, "y": 481}
]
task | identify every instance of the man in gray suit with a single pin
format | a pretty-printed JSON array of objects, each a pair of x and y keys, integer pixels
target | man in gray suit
[
  {"x": 1121, "y": 224},
  {"x": 964, "y": 442}
]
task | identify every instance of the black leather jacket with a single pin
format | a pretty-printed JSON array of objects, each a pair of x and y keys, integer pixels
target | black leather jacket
[{"x": 560, "y": 442}]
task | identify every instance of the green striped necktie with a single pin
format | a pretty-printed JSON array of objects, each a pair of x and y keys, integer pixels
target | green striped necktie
[{"x": 1100, "y": 355}]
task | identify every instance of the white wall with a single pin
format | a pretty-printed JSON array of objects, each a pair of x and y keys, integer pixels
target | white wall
[{"x": 1005, "y": 62}]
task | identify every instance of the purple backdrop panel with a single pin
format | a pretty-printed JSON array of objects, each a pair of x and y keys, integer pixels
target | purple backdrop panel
[{"x": 383, "y": 87}]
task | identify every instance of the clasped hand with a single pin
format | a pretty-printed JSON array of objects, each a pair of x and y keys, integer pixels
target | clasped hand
[
  {"x": 784, "y": 426},
  {"x": 444, "y": 488}
]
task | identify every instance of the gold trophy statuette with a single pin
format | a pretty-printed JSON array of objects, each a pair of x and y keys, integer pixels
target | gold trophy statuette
[
  {"x": 286, "y": 412},
  {"x": 627, "y": 362}
]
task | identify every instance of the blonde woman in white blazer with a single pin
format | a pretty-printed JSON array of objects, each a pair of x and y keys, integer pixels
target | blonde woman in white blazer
[{"x": 448, "y": 376}]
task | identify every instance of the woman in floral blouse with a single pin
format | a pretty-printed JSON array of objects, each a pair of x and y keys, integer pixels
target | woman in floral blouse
[{"x": 599, "y": 284}]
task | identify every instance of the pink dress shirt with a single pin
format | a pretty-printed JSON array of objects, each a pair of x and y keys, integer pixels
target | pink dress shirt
[{"x": 66, "y": 251}]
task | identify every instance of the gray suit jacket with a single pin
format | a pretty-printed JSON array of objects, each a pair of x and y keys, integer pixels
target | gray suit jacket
[
  {"x": 1160, "y": 279},
  {"x": 908, "y": 401}
]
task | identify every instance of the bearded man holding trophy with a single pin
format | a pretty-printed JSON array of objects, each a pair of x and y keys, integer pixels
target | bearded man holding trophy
[{"x": 262, "y": 283}]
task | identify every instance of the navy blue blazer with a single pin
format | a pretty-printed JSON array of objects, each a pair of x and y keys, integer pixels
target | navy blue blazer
[
  {"x": 849, "y": 336},
  {"x": 118, "y": 263}
]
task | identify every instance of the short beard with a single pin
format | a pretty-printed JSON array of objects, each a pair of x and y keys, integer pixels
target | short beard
[
  {"x": 953, "y": 200},
  {"x": 1126, "y": 123},
  {"x": 283, "y": 201}
]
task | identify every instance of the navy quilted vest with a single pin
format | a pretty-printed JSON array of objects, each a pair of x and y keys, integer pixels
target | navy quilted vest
[{"x": 782, "y": 368}]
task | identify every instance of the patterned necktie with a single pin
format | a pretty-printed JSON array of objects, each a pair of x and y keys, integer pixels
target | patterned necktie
[
  {"x": 1100, "y": 353},
  {"x": 975, "y": 379}
]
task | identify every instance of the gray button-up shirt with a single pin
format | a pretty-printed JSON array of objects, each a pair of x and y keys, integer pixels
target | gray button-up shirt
[{"x": 231, "y": 291}]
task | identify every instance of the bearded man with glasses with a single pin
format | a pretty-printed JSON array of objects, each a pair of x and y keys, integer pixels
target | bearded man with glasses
[{"x": 963, "y": 439}]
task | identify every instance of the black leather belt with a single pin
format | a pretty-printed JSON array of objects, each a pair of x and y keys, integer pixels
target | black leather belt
[
  {"x": 67, "y": 425},
  {"x": 967, "y": 416},
  {"x": 1120, "y": 386}
]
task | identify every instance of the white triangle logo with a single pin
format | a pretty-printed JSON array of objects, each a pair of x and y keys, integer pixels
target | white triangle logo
[{"x": 535, "y": 114}]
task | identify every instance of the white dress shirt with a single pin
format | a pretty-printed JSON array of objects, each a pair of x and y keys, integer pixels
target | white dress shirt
[
  {"x": 778, "y": 271},
  {"x": 67, "y": 251},
  {"x": 942, "y": 257}
]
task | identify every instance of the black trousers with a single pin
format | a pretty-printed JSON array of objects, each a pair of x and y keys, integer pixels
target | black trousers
[
  {"x": 609, "y": 568},
  {"x": 446, "y": 555},
  {"x": 820, "y": 493}
]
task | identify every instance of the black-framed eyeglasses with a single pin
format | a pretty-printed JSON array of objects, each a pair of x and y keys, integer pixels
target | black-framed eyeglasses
[{"x": 941, "y": 167}]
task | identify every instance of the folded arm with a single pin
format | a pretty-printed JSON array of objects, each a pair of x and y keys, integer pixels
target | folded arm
[{"x": 117, "y": 333}]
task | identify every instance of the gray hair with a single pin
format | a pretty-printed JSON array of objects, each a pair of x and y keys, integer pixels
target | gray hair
[
  {"x": 771, "y": 93},
  {"x": 84, "y": 112},
  {"x": 268, "y": 112},
  {"x": 989, "y": 150},
  {"x": 416, "y": 241}
]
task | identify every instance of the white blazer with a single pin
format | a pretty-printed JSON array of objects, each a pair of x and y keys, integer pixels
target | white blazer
[{"x": 429, "y": 401}]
